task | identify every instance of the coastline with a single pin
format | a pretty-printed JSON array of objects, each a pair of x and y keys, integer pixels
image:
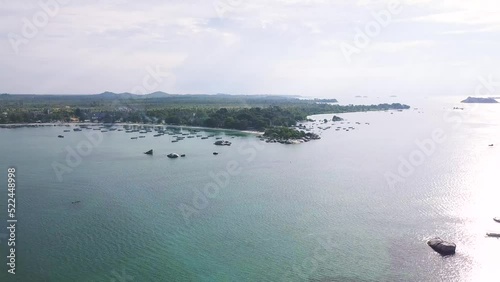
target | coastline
[{"x": 19, "y": 125}]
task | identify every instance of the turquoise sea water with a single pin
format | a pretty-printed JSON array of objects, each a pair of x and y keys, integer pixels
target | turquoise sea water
[{"x": 319, "y": 211}]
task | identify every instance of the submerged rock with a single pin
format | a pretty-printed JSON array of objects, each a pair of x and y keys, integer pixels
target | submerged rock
[{"x": 441, "y": 246}]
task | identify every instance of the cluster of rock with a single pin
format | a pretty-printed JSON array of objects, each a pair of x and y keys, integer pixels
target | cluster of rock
[
  {"x": 307, "y": 138},
  {"x": 175, "y": 155},
  {"x": 222, "y": 143}
]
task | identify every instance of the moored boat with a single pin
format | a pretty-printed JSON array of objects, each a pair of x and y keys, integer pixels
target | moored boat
[{"x": 496, "y": 235}]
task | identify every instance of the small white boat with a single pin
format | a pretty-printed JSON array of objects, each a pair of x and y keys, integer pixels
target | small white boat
[{"x": 173, "y": 155}]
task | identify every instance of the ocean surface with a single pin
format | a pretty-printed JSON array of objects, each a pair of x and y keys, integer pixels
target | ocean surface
[{"x": 356, "y": 205}]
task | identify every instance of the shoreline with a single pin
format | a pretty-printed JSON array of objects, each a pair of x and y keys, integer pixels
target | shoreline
[{"x": 18, "y": 125}]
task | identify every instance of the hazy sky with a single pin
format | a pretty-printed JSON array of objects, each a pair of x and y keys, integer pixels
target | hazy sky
[{"x": 420, "y": 47}]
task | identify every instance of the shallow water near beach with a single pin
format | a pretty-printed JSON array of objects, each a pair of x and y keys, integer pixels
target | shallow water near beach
[{"x": 318, "y": 211}]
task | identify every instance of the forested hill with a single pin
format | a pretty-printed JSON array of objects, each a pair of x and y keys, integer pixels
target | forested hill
[{"x": 109, "y": 98}]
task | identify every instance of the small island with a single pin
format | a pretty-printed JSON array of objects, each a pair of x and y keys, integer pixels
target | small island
[
  {"x": 480, "y": 100},
  {"x": 286, "y": 135}
]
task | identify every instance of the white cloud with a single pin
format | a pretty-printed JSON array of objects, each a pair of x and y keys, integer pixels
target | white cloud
[
  {"x": 280, "y": 46},
  {"x": 401, "y": 46}
]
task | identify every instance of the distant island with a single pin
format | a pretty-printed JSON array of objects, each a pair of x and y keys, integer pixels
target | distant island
[
  {"x": 240, "y": 112},
  {"x": 479, "y": 100},
  {"x": 326, "y": 100}
]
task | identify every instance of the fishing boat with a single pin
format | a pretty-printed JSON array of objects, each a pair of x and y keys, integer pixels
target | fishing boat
[
  {"x": 497, "y": 219},
  {"x": 60, "y": 136},
  {"x": 496, "y": 235},
  {"x": 173, "y": 155},
  {"x": 215, "y": 153},
  {"x": 150, "y": 152}
]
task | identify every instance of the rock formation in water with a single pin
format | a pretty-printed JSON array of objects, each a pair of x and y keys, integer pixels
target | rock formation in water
[{"x": 441, "y": 246}]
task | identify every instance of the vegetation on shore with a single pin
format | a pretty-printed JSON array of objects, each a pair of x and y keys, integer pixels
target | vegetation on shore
[
  {"x": 230, "y": 112},
  {"x": 287, "y": 133}
]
